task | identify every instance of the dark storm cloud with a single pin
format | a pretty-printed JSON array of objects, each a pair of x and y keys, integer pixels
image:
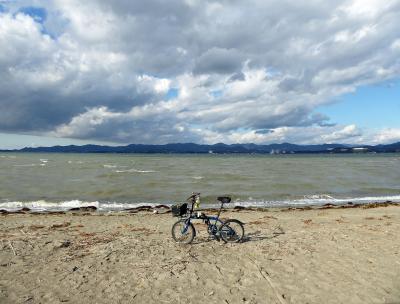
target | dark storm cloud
[
  {"x": 220, "y": 61},
  {"x": 237, "y": 77},
  {"x": 264, "y": 131}
]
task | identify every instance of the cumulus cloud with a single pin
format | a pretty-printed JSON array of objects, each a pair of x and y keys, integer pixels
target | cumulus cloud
[
  {"x": 385, "y": 136},
  {"x": 242, "y": 72},
  {"x": 300, "y": 135}
]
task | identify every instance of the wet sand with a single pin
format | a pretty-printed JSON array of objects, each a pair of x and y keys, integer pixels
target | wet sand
[{"x": 347, "y": 255}]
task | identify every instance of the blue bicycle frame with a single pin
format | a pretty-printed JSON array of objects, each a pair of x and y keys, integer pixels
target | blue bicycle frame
[{"x": 211, "y": 227}]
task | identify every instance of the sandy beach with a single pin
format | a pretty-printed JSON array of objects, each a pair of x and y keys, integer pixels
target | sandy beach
[{"x": 349, "y": 255}]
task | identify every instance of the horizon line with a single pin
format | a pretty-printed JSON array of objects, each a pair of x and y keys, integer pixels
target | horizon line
[{"x": 191, "y": 143}]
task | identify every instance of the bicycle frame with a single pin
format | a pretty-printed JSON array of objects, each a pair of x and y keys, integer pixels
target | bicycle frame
[{"x": 207, "y": 219}]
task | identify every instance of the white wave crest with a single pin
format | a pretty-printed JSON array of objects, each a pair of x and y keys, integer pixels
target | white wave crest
[
  {"x": 110, "y": 166},
  {"x": 43, "y": 205},
  {"x": 75, "y": 162},
  {"x": 317, "y": 197},
  {"x": 318, "y": 200}
]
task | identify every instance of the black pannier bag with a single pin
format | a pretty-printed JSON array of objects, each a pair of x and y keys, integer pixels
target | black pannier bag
[{"x": 179, "y": 210}]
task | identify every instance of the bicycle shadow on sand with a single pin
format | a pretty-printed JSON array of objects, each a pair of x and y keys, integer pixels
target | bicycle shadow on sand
[
  {"x": 248, "y": 237},
  {"x": 258, "y": 236}
]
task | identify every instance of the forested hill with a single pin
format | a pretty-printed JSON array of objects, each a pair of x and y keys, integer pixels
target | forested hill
[{"x": 220, "y": 148}]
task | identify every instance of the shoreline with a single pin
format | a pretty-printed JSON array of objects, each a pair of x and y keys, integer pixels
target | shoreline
[
  {"x": 316, "y": 255},
  {"x": 164, "y": 208}
]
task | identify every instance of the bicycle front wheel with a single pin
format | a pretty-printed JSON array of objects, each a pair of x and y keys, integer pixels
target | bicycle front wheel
[
  {"x": 183, "y": 232},
  {"x": 232, "y": 231}
]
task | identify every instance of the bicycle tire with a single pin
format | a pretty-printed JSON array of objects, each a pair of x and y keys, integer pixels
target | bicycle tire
[
  {"x": 229, "y": 234},
  {"x": 177, "y": 232}
]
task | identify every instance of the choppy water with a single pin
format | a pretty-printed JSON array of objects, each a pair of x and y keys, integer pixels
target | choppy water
[{"x": 116, "y": 181}]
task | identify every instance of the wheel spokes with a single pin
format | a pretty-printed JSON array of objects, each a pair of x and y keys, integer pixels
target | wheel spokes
[
  {"x": 231, "y": 232},
  {"x": 183, "y": 231}
]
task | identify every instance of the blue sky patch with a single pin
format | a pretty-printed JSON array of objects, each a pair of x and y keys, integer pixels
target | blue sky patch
[
  {"x": 39, "y": 14},
  {"x": 216, "y": 93},
  {"x": 375, "y": 106},
  {"x": 172, "y": 93},
  {"x": 2, "y": 9}
]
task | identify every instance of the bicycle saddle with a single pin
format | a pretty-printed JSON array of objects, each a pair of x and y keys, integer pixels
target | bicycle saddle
[{"x": 224, "y": 199}]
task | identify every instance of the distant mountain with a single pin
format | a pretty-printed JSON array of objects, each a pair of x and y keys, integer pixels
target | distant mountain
[{"x": 220, "y": 148}]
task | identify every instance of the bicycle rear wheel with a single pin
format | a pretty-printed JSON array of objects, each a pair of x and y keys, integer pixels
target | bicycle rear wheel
[
  {"x": 183, "y": 232},
  {"x": 231, "y": 231}
]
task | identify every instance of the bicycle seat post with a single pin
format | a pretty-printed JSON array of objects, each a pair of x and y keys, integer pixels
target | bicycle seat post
[{"x": 220, "y": 209}]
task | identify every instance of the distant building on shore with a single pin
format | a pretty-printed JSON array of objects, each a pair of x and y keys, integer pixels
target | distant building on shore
[{"x": 360, "y": 150}]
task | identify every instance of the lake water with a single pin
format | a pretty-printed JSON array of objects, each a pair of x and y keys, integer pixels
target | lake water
[{"x": 117, "y": 181}]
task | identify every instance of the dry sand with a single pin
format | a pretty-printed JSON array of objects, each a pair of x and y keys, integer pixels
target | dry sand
[{"x": 311, "y": 256}]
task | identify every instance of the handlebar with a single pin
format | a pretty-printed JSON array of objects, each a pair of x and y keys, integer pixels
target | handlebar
[{"x": 193, "y": 196}]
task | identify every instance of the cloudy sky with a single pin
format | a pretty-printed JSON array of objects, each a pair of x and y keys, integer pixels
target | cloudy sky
[{"x": 199, "y": 71}]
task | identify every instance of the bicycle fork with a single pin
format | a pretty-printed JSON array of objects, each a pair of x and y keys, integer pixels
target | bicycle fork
[{"x": 185, "y": 227}]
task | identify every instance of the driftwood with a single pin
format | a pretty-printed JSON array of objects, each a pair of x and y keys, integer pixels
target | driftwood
[
  {"x": 137, "y": 209},
  {"x": 63, "y": 225},
  {"x": 167, "y": 209},
  {"x": 88, "y": 208},
  {"x": 162, "y": 206},
  {"x": 376, "y": 205},
  {"x": 12, "y": 248}
]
